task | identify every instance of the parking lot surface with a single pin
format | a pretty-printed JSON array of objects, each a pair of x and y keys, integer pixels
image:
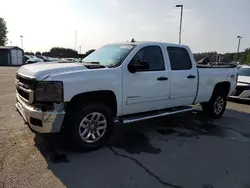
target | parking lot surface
[{"x": 183, "y": 151}]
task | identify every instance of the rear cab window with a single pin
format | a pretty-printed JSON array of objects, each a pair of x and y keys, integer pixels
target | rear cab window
[{"x": 179, "y": 58}]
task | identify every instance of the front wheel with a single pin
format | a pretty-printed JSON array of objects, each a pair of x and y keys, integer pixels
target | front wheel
[
  {"x": 91, "y": 126},
  {"x": 215, "y": 108}
]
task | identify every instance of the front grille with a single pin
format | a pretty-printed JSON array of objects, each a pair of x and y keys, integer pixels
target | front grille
[
  {"x": 240, "y": 89},
  {"x": 25, "y": 87},
  {"x": 28, "y": 83},
  {"x": 23, "y": 93},
  {"x": 243, "y": 87},
  {"x": 237, "y": 92}
]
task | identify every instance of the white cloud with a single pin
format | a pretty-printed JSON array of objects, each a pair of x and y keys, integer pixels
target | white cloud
[
  {"x": 102, "y": 21},
  {"x": 115, "y": 3}
]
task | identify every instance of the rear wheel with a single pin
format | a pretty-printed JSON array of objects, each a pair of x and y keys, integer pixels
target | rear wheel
[
  {"x": 90, "y": 126},
  {"x": 215, "y": 108}
]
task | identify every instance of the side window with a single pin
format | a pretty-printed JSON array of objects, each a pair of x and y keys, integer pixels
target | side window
[
  {"x": 179, "y": 58},
  {"x": 153, "y": 55}
]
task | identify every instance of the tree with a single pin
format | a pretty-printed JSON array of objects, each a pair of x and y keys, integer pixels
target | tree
[
  {"x": 46, "y": 54},
  {"x": 63, "y": 52},
  {"x": 29, "y": 53},
  {"x": 38, "y": 53},
  {"x": 89, "y": 52},
  {"x": 86, "y": 54},
  {"x": 247, "y": 56},
  {"x": 242, "y": 57},
  {"x": 210, "y": 55},
  {"x": 227, "y": 57},
  {"x": 3, "y": 32}
]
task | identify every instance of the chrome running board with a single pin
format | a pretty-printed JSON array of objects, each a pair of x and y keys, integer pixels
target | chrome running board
[{"x": 162, "y": 113}]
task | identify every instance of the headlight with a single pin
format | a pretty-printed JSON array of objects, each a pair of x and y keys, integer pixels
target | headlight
[{"x": 49, "y": 91}]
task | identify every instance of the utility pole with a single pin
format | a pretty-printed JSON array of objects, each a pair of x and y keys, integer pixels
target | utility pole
[
  {"x": 80, "y": 49},
  {"x": 181, "y": 6},
  {"x": 21, "y": 41},
  {"x": 238, "y": 48}
]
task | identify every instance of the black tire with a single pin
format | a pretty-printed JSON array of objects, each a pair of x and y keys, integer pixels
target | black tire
[
  {"x": 77, "y": 115},
  {"x": 211, "y": 109}
]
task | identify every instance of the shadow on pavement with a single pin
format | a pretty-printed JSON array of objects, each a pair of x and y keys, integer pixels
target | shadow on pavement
[{"x": 106, "y": 168}]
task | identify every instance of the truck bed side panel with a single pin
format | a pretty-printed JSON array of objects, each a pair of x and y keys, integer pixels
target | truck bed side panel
[{"x": 209, "y": 77}]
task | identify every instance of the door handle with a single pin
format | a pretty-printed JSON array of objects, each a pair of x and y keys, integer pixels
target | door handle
[
  {"x": 162, "y": 78},
  {"x": 191, "y": 76}
]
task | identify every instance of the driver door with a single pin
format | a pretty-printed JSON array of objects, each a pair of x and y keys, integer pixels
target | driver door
[{"x": 146, "y": 90}]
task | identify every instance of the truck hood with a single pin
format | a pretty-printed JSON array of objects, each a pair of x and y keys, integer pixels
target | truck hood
[
  {"x": 244, "y": 79},
  {"x": 40, "y": 71}
]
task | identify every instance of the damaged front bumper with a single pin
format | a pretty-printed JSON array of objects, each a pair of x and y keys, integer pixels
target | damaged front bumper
[{"x": 38, "y": 120}]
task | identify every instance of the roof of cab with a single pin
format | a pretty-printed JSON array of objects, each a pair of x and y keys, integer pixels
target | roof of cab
[{"x": 150, "y": 42}]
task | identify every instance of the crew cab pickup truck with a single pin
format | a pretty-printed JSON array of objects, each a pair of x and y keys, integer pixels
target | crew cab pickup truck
[{"x": 119, "y": 83}]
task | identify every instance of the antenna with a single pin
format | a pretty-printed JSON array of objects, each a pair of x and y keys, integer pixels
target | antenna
[{"x": 75, "y": 38}]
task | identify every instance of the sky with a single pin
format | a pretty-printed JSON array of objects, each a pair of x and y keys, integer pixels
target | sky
[{"x": 207, "y": 25}]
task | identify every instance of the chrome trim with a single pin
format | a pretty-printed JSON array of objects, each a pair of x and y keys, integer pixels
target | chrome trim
[
  {"x": 244, "y": 95},
  {"x": 25, "y": 90},
  {"x": 136, "y": 119},
  {"x": 30, "y": 92},
  {"x": 116, "y": 121},
  {"x": 25, "y": 76},
  {"x": 240, "y": 98},
  {"x": 25, "y": 100}
]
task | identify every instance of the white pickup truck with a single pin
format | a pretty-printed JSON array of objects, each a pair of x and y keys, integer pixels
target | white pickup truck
[{"x": 122, "y": 82}]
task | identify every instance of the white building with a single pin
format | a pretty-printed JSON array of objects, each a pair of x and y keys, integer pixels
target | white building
[{"x": 11, "y": 56}]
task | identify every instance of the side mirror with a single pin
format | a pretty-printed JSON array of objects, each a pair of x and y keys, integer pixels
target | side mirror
[{"x": 138, "y": 66}]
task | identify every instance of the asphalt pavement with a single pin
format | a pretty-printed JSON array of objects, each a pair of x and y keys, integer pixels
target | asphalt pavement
[{"x": 182, "y": 151}]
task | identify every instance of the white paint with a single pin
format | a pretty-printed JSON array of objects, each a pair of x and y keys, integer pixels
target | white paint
[
  {"x": 140, "y": 91},
  {"x": 245, "y": 79},
  {"x": 183, "y": 89},
  {"x": 19, "y": 57},
  {"x": 13, "y": 53},
  {"x": 16, "y": 57}
]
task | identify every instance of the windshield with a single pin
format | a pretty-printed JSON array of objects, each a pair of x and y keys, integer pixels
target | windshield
[
  {"x": 244, "y": 71},
  {"x": 109, "y": 55}
]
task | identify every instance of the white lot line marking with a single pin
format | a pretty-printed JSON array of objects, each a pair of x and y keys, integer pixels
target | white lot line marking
[{"x": 7, "y": 95}]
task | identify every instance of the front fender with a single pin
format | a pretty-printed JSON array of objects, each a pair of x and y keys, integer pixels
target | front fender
[{"x": 89, "y": 81}]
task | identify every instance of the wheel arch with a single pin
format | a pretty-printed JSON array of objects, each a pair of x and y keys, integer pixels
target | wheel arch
[
  {"x": 220, "y": 90},
  {"x": 106, "y": 97},
  {"x": 222, "y": 87}
]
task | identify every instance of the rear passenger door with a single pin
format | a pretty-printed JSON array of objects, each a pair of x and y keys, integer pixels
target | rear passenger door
[{"x": 183, "y": 74}]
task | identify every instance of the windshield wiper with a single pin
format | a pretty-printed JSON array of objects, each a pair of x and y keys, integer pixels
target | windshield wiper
[
  {"x": 112, "y": 65},
  {"x": 93, "y": 65},
  {"x": 92, "y": 62}
]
